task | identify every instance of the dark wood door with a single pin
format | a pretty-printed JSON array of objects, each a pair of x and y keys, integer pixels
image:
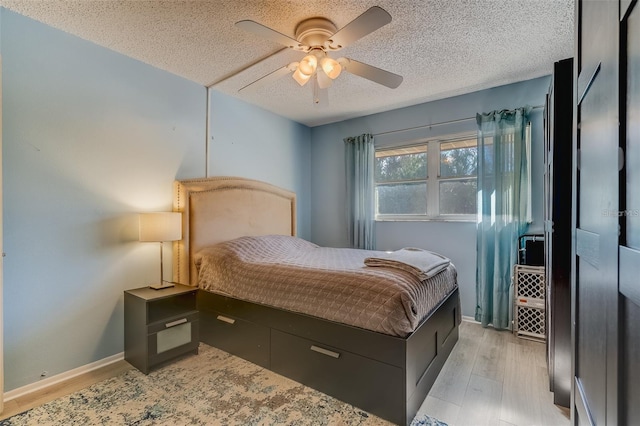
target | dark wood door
[
  {"x": 629, "y": 273},
  {"x": 606, "y": 293},
  {"x": 595, "y": 290},
  {"x": 558, "y": 235}
]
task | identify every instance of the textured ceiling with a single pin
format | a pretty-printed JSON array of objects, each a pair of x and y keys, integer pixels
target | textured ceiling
[{"x": 442, "y": 48}]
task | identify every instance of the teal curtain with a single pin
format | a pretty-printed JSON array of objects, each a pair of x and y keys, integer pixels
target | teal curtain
[
  {"x": 503, "y": 210},
  {"x": 360, "y": 163}
]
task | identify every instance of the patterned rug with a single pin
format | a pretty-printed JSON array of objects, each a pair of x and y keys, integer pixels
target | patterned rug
[{"x": 212, "y": 388}]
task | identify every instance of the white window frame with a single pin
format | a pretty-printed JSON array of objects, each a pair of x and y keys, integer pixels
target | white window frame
[{"x": 433, "y": 182}]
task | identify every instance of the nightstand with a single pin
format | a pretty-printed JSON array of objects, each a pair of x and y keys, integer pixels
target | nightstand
[{"x": 159, "y": 325}]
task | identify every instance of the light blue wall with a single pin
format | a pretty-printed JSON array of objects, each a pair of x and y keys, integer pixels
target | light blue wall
[
  {"x": 455, "y": 240},
  {"x": 250, "y": 142},
  {"x": 91, "y": 138}
]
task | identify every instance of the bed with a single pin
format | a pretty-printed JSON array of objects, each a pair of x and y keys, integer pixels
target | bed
[{"x": 387, "y": 373}]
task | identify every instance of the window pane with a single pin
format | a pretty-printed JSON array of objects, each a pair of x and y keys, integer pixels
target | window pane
[
  {"x": 459, "y": 158},
  {"x": 458, "y": 197},
  {"x": 392, "y": 166},
  {"x": 404, "y": 198},
  {"x": 487, "y": 156}
]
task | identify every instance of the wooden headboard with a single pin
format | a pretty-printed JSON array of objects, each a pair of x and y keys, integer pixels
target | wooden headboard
[{"x": 219, "y": 209}]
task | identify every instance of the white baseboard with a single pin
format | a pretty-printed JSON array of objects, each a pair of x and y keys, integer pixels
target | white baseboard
[
  {"x": 50, "y": 381},
  {"x": 469, "y": 319},
  {"x": 473, "y": 321}
]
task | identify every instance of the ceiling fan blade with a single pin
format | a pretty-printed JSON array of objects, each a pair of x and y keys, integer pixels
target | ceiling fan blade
[
  {"x": 269, "y": 34},
  {"x": 368, "y": 22},
  {"x": 370, "y": 72},
  {"x": 267, "y": 79}
]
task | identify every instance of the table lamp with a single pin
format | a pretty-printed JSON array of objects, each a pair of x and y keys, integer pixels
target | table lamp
[{"x": 160, "y": 227}]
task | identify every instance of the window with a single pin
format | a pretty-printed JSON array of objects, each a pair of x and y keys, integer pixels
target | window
[
  {"x": 432, "y": 180},
  {"x": 457, "y": 182},
  {"x": 401, "y": 181}
]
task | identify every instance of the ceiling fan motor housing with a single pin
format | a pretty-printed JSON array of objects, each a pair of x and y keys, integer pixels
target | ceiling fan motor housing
[{"x": 314, "y": 32}]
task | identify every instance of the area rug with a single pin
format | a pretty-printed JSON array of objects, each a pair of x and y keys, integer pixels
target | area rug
[{"x": 211, "y": 388}]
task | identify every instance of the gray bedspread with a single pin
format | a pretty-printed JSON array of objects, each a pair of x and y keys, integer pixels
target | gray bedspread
[{"x": 332, "y": 283}]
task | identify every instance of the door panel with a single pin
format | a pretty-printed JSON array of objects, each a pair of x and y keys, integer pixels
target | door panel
[
  {"x": 629, "y": 273},
  {"x": 596, "y": 244},
  {"x": 1, "y": 253},
  {"x": 591, "y": 342},
  {"x": 595, "y": 294},
  {"x": 630, "y": 364},
  {"x": 632, "y": 161}
]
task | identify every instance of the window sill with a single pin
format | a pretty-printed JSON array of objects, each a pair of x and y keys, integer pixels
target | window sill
[{"x": 472, "y": 219}]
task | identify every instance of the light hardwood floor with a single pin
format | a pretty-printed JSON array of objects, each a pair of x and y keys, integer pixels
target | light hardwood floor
[
  {"x": 61, "y": 389},
  {"x": 494, "y": 378},
  {"x": 490, "y": 378}
]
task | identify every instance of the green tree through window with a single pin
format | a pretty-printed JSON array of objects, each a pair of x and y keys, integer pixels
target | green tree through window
[
  {"x": 434, "y": 179},
  {"x": 394, "y": 168}
]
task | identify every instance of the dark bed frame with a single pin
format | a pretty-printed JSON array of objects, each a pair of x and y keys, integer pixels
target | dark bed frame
[{"x": 382, "y": 374}]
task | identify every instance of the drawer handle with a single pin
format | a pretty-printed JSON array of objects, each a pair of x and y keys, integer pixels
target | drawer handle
[
  {"x": 174, "y": 323},
  {"x": 324, "y": 351},
  {"x": 226, "y": 319}
]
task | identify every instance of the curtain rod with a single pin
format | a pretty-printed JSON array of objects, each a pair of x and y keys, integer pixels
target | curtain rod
[{"x": 459, "y": 120}]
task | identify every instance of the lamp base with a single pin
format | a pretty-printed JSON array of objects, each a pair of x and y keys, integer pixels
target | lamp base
[{"x": 162, "y": 285}]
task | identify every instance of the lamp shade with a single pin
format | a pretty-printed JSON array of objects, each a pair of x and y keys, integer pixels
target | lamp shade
[
  {"x": 300, "y": 77},
  {"x": 158, "y": 227},
  {"x": 331, "y": 67},
  {"x": 308, "y": 65}
]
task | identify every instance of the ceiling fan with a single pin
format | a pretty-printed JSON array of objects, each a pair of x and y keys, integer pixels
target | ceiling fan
[{"x": 317, "y": 37}]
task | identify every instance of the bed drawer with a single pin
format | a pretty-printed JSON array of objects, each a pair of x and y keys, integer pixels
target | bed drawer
[
  {"x": 242, "y": 338},
  {"x": 370, "y": 385}
]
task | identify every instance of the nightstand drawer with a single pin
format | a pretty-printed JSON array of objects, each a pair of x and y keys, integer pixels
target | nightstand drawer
[
  {"x": 173, "y": 321},
  {"x": 174, "y": 340}
]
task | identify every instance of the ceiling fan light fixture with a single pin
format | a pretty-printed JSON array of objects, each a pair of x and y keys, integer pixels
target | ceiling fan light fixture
[
  {"x": 331, "y": 67},
  {"x": 316, "y": 36},
  {"x": 308, "y": 65},
  {"x": 300, "y": 77}
]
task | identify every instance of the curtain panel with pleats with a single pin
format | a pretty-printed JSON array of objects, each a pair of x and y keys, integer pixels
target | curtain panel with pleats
[
  {"x": 360, "y": 164},
  {"x": 504, "y": 190}
]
